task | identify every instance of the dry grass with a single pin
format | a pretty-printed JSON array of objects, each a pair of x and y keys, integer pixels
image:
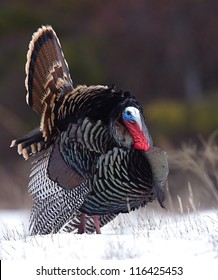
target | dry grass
[
  {"x": 193, "y": 183},
  {"x": 140, "y": 234}
]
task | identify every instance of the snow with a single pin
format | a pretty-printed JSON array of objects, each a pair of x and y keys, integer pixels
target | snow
[
  {"x": 135, "y": 235},
  {"x": 138, "y": 236}
]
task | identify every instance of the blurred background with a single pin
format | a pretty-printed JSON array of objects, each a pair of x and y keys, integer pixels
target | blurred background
[{"x": 163, "y": 52}]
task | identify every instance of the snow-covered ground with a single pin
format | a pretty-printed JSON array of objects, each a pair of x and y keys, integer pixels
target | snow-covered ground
[
  {"x": 135, "y": 235},
  {"x": 140, "y": 235}
]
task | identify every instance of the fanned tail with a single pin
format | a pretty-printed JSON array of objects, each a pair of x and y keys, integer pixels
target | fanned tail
[
  {"x": 47, "y": 81},
  {"x": 47, "y": 77},
  {"x": 46, "y": 68}
]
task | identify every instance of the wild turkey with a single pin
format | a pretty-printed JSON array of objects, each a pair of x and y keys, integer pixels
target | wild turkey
[{"x": 94, "y": 152}]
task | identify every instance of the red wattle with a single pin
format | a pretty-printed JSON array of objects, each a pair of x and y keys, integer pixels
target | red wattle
[
  {"x": 141, "y": 146},
  {"x": 140, "y": 140}
]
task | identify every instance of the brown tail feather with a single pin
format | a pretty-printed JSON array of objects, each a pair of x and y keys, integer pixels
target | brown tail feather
[
  {"x": 48, "y": 78},
  {"x": 46, "y": 69},
  {"x": 31, "y": 143}
]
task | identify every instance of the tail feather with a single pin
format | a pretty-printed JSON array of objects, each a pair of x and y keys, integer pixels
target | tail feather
[
  {"x": 47, "y": 81},
  {"x": 31, "y": 143},
  {"x": 47, "y": 77},
  {"x": 46, "y": 68}
]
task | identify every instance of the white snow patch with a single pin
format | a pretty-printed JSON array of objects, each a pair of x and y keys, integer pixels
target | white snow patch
[{"x": 138, "y": 235}]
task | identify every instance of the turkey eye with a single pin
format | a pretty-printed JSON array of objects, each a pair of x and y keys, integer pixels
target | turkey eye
[{"x": 128, "y": 113}]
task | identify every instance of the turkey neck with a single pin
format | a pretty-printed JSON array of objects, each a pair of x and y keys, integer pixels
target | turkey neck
[{"x": 139, "y": 137}]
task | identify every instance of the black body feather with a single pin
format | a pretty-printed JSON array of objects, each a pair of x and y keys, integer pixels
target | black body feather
[{"x": 86, "y": 162}]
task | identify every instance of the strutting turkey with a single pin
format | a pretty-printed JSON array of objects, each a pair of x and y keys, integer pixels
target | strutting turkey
[{"x": 94, "y": 155}]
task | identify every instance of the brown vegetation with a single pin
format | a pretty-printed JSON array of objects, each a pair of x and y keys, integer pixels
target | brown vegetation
[{"x": 193, "y": 183}]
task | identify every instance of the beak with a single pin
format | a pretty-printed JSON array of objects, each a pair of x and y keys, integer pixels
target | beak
[{"x": 138, "y": 121}]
